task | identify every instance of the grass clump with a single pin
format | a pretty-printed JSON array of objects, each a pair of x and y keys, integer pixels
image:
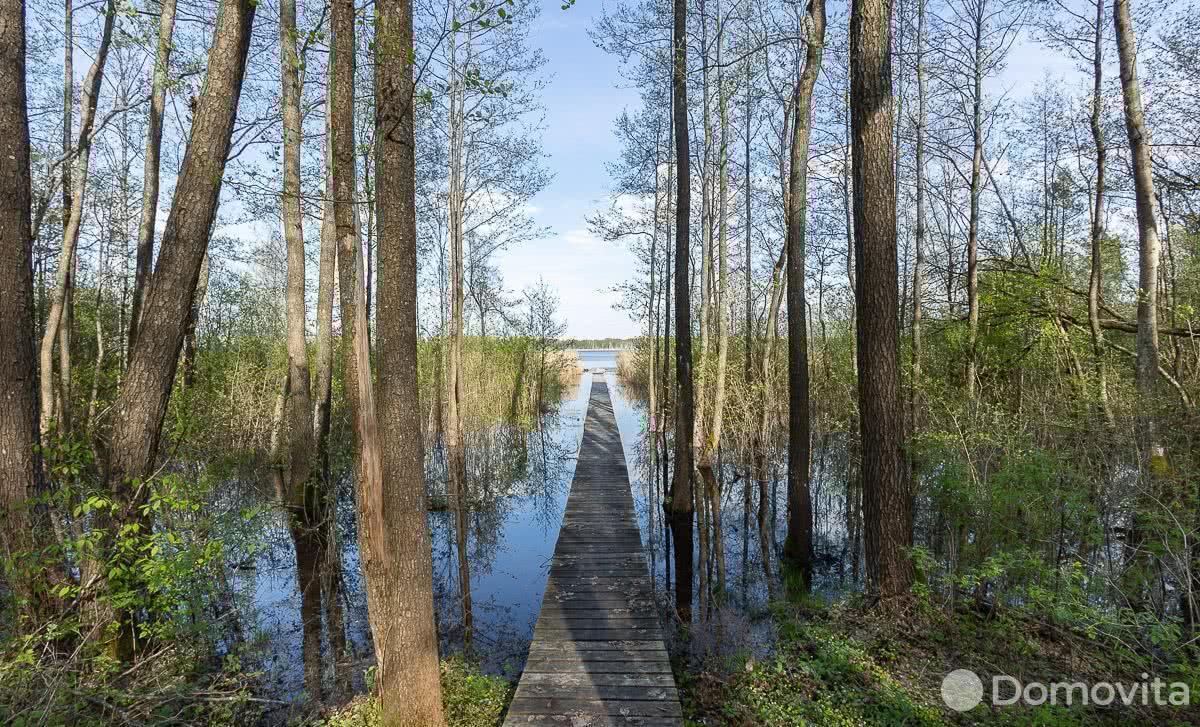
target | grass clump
[{"x": 471, "y": 698}]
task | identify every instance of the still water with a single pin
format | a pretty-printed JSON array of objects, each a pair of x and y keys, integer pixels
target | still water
[{"x": 519, "y": 482}]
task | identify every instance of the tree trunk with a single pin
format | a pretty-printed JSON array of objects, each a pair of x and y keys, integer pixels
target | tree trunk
[
  {"x": 887, "y": 502},
  {"x": 1095, "y": 279},
  {"x": 301, "y": 494},
  {"x": 142, "y": 404},
  {"x": 330, "y": 555},
  {"x": 58, "y": 320},
  {"x": 682, "y": 510},
  {"x": 150, "y": 173},
  {"x": 797, "y": 548},
  {"x": 19, "y": 466},
  {"x": 971, "y": 375},
  {"x": 455, "y": 446},
  {"x": 922, "y": 228},
  {"x": 396, "y": 557},
  {"x": 1153, "y": 458}
]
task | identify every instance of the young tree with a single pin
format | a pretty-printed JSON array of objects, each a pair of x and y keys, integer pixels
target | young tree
[
  {"x": 887, "y": 501},
  {"x": 297, "y": 481},
  {"x": 55, "y": 405}
]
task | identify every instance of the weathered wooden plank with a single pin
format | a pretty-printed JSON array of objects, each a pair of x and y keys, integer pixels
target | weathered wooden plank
[
  {"x": 598, "y": 646},
  {"x": 585, "y": 690},
  {"x": 599, "y": 667},
  {"x": 613, "y": 707},
  {"x": 643, "y": 657},
  {"x": 599, "y": 679},
  {"x": 590, "y": 720}
]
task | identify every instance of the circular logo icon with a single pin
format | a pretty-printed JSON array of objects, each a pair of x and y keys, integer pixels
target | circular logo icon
[{"x": 962, "y": 690}]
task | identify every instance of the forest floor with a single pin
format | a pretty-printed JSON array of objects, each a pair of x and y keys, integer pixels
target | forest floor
[{"x": 844, "y": 665}]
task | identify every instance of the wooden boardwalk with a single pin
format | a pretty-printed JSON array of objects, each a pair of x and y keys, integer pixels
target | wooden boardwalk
[{"x": 597, "y": 657}]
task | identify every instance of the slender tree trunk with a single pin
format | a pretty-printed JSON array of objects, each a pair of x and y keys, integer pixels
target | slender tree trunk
[
  {"x": 345, "y": 193},
  {"x": 922, "y": 227},
  {"x": 330, "y": 556},
  {"x": 150, "y": 173},
  {"x": 455, "y": 446},
  {"x": 1152, "y": 452},
  {"x": 1096, "y": 279},
  {"x": 19, "y": 466},
  {"x": 58, "y": 319},
  {"x": 355, "y": 344},
  {"x": 397, "y": 557},
  {"x": 973, "y": 221},
  {"x": 708, "y": 464},
  {"x": 797, "y": 548},
  {"x": 681, "y": 489},
  {"x": 887, "y": 502},
  {"x": 300, "y": 494}
]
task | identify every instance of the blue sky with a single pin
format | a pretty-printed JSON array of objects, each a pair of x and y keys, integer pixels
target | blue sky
[
  {"x": 581, "y": 100},
  {"x": 584, "y": 96}
]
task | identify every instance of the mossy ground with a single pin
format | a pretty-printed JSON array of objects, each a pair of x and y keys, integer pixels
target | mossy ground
[{"x": 846, "y": 666}]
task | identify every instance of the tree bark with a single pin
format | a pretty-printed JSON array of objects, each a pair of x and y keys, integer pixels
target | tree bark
[
  {"x": 797, "y": 548},
  {"x": 887, "y": 502},
  {"x": 682, "y": 509},
  {"x": 397, "y": 559},
  {"x": 19, "y": 466}
]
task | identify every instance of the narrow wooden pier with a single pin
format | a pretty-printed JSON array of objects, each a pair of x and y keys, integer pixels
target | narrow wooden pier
[{"x": 597, "y": 657}]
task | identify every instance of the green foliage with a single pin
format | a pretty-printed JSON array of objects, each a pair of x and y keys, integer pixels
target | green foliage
[
  {"x": 817, "y": 676},
  {"x": 155, "y": 555}
]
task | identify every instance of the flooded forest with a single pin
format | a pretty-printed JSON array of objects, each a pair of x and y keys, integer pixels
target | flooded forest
[{"x": 301, "y": 338}]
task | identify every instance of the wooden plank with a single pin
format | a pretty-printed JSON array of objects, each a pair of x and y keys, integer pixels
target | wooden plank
[
  {"x": 623, "y": 680},
  {"x": 590, "y": 720},
  {"x": 597, "y": 657},
  {"x": 619, "y": 707}
]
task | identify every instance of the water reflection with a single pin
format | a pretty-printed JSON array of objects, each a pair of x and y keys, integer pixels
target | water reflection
[
  {"x": 739, "y": 619},
  {"x": 516, "y": 490},
  {"x": 518, "y": 483}
]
